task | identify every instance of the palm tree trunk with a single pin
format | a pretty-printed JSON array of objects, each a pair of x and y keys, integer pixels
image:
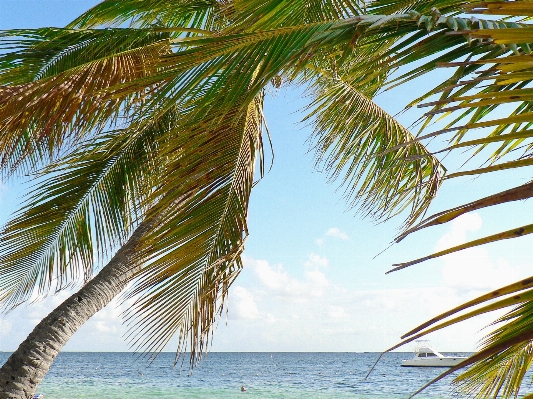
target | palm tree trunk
[{"x": 27, "y": 366}]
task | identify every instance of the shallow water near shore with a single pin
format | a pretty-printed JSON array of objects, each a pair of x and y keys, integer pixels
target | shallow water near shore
[{"x": 221, "y": 375}]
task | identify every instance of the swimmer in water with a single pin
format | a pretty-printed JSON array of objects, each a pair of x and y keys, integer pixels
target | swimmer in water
[{"x": 243, "y": 389}]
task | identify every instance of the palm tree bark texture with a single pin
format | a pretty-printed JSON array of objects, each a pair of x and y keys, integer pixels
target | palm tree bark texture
[{"x": 27, "y": 366}]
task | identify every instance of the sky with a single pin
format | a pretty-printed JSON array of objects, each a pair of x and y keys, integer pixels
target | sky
[{"x": 311, "y": 279}]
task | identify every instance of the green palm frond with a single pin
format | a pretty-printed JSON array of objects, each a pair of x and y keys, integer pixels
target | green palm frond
[
  {"x": 510, "y": 84},
  {"x": 235, "y": 56},
  {"x": 485, "y": 83},
  {"x": 505, "y": 8},
  {"x": 504, "y": 357},
  {"x": 269, "y": 14},
  {"x": 57, "y": 111},
  {"x": 84, "y": 206},
  {"x": 189, "y": 73},
  {"x": 199, "y": 14},
  {"x": 504, "y": 235},
  {"x": 503, "y": 292},
  {"x": 510, "y": 131},
  {"x": 501, "y": 375},
  {"x": 447, "y": 7},
  {"x": 39, "y": 53},
  {"x": 349, "y": 130},
  {"x": 444, "y": 33},
  {"x": 194, "y": 252}
]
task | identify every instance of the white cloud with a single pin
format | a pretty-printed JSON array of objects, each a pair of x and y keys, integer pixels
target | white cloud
[
  {"x": 270, "y": 318},
  {"x": 302, "y": 310},
  {"x": 472, "y": 268},
  {"x": 244, "y": 304},
  {"x": 111, "y": 312},
  {"x": 336, "y": 312},
  {"x": 299, "y": 308},
  {"x": 5, "y": 327},
  {"x": 320, "y": 315},
  {"x": 459, "y": 227},
  {"x": 316, "y": 261},
  {"x": 337, "y": 233},
  {"x": 108, "y": 320},
  {"x": 278, "y": 282},
  {"x": 319, "y": 242},
  {"x": 315, "y": 283},
  {"x": 380, "y": 302},
  {"x": 102, "y": 326},
  {"x": 334, "y": 232},
  {"x": 272, "y": 277}
]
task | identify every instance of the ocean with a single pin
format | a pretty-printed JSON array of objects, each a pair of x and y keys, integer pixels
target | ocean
[{"x": 221, "y": 375}]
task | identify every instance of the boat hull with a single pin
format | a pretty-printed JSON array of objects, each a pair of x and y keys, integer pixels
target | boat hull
[{"x": 434, "y": 362}]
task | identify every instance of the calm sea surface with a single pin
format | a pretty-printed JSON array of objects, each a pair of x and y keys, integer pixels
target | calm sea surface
[{"x": 220, "y": 375}]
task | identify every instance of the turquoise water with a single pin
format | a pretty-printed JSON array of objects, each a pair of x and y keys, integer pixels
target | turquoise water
[{"x": 220, "y": 375}]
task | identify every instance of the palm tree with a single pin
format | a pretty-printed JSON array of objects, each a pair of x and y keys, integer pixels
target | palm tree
[{"x": 145, "y": 140}]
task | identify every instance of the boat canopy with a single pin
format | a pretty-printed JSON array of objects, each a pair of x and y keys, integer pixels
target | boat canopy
[{"x": 428, "y": 352}]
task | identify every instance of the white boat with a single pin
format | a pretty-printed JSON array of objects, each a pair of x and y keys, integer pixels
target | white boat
[{"x": 426, "y": 356}]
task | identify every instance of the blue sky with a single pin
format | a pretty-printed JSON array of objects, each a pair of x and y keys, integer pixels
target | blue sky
[{"x": 310, "y": 281}]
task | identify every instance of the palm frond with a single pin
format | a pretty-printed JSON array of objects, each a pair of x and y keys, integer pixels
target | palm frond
[
  {"x": 84, "y": 206},
  {"x": 504, "y": 235},
  {"x": 499, "y": 376},
  {"x": 446, "y": 7},
  {"x": 514, "y": 194},
  {"x": 519, "y": 8},
  {"x": 349, "y": 130},
  {"x": 503, "y": 78},
  {"x": 199, "y": 14},
  {"x": 271, "y": 14},
  {"x": 211, "y": 63},
  {"x": 204, "y": 65},
  {"x": 45, "y": 52},
  {"x": 193, "y": 255},
  {"x": 511, "y": 78},
  {"x": 56, "y": 112}
]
